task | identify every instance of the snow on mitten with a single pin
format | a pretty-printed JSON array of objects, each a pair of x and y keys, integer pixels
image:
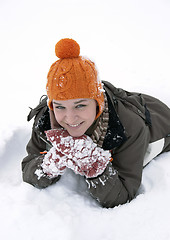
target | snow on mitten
[
  {"x": 83, "y": 155},
  {"x": 65, "y": 143},
  {"x": 54, "y": 163},
  {"x": 87, "y": 159},
  {"x": 60, "y": 139}
]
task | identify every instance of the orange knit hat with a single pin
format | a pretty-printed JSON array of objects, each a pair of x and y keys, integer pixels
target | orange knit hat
[{"x": 73, "y": 76}]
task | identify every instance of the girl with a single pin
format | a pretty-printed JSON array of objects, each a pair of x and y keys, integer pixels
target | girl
[{"x": 103, "y": 133}]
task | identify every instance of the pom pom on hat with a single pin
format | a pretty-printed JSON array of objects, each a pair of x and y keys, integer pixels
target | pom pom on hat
[{"x": 67, "y": 48}]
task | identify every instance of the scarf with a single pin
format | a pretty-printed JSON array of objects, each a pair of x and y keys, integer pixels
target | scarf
[{"x": 99, "y": 132}]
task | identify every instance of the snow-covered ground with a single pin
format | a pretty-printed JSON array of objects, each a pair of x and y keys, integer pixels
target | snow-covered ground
[{"x": 129, "y": 41}]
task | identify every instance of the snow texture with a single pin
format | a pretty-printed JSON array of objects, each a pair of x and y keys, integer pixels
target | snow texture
[
  {"x": 53, "y": 164},
  {"x": 129, "y": 42}
]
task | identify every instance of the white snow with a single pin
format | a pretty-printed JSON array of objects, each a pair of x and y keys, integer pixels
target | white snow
[
  {"x": 39, "y": 173},
  {"x": 129, "y": 42}
]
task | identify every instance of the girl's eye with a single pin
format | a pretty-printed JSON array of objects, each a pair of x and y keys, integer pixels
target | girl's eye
[
  {"x": 60, "y": 107},
  {"x": 80, "y": 106}
]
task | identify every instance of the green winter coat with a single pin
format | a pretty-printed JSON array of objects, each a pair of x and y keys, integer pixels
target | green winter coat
[{"x": 139, "y": 129}]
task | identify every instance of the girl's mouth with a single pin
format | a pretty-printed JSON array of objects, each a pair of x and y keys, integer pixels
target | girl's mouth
[{"x": 74, "y": 125}]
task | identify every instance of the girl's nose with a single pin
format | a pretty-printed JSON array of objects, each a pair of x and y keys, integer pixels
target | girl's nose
[{"x": 71, "y": 117}]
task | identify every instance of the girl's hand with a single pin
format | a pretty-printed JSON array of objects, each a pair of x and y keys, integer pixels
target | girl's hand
[
  {"x": 82, "y": 154},
  {"x": 54, "y": 163}
]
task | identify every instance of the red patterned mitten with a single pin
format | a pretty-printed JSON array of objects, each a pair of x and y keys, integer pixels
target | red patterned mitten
[
  {"x": 60, "y": 139},
  {"x": 54, "y": 163},
  {"x": 82, "y": 154}
]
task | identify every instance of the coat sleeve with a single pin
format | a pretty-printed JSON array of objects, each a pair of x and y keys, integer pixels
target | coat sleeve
[
  {"x": 121, "y": 179},
  {"x": 31, "y": 164}
]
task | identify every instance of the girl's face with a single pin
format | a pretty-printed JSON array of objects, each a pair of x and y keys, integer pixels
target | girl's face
[{"x": 75, "y": 115}]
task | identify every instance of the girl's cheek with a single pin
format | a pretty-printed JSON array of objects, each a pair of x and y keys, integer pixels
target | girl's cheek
[{"x": 58, "y": 116}]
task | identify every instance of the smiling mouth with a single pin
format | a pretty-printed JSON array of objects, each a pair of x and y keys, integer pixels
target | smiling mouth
[{"x": 74, "y": 125}]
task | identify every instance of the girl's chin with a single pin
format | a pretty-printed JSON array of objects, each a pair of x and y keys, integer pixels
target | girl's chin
[
  {"x": 75, "y": 131},
  {"x": 73, "y": 134}
]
